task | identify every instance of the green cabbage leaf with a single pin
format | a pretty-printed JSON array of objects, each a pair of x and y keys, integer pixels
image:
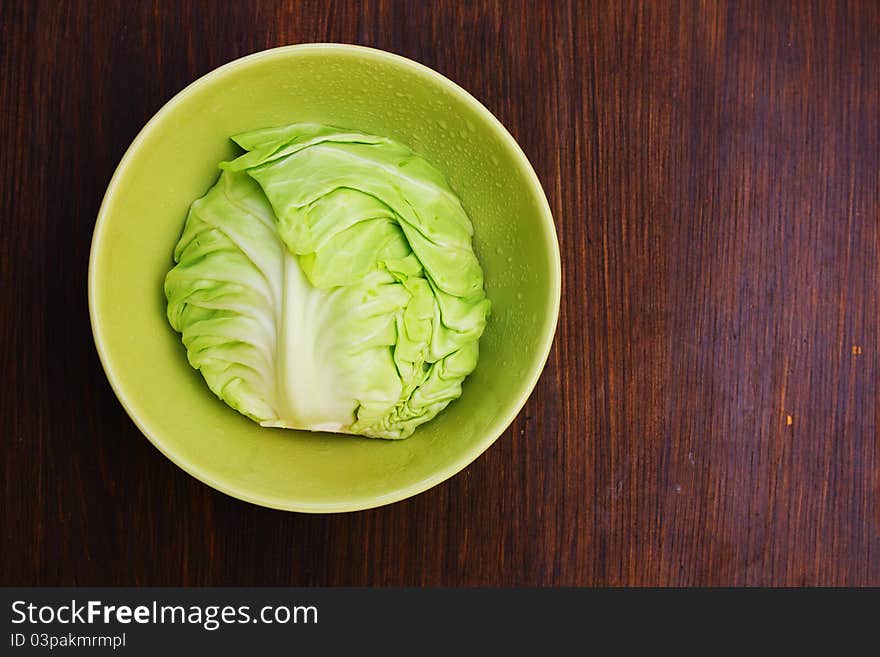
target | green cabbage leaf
[{"x": 328, "y": 282}]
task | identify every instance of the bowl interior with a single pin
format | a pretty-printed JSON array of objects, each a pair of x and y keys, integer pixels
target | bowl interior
[{"x": 174, "y": 161}]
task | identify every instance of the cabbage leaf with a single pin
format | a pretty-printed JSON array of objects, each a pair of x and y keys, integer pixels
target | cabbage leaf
[{"x": 328, "y": 282}]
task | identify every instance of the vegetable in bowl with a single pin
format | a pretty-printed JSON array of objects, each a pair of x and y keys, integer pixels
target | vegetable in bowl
[{"x": 327, "y": 282}]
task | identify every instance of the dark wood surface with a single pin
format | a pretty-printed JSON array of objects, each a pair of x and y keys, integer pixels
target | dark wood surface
[{"x": 709, "y": 412}]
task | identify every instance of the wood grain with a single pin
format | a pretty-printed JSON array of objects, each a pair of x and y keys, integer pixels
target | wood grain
[{"x": 708, "y": 415}]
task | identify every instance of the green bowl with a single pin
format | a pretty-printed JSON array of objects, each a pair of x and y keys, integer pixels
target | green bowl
[{"x": 174, "y": 160}]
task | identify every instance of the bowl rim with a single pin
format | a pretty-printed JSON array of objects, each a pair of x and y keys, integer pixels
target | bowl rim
[{"x": 498, "y": 427}]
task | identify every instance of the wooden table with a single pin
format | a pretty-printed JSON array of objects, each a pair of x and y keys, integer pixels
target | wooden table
[{"x": 709, "y": 411}]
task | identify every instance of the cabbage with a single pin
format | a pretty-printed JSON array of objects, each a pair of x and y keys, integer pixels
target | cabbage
[{"x": 327, "y": 282}]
